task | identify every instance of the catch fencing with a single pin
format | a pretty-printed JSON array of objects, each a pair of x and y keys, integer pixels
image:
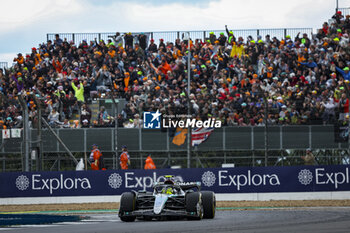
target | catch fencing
[
  {"x": 344, "y": 10},
  {"x": 147, "y": 140},
  {"x": 171, "y": 36},
  {"x": 3, "y": 65}
]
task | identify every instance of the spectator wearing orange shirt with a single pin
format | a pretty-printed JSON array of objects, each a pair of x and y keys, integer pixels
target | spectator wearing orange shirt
[
  {"x": 2, "y": 125},
  {"x": 164, "y": 67},
  {"x": 19, "y": 59}
]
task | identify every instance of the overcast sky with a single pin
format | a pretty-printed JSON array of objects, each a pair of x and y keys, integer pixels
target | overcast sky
[{"x": 24, "y": 23}]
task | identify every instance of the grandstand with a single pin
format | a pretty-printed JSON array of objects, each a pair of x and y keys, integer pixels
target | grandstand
[{"x": 285, "y": 82}]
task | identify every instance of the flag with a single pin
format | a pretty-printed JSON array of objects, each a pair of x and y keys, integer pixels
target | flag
[
  {"x": 199, "y": 135},
  {"x": 341, "y": 133},
  {"x": 6, "y": 133},
  {"x": 180, "y": 136},
  {"x": 15, "y": 133}
]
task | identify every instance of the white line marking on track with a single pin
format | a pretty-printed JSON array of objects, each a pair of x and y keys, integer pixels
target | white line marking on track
[{"x": 84, "y": 221}]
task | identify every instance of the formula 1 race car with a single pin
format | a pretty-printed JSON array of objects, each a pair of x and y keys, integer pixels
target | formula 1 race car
[{"x": 169, "y": 200}]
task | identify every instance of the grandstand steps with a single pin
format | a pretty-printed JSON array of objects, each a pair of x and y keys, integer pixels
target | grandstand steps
[{"x": 94, "y": 106}]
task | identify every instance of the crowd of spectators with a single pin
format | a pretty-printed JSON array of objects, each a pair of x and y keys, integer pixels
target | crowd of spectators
[{"x": 300, "y": 80}]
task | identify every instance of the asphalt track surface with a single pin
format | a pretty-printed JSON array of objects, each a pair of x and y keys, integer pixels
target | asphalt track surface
[{"x": 321, "y": 220}]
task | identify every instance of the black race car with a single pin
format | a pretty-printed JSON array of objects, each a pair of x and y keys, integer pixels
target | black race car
[{"x": 169, "y": 200}]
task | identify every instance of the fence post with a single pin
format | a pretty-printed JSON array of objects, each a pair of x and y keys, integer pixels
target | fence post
[
  {"x": 47, "y": 37},
  {"x": 85, "y": 146},
  {"x": 252, "y": 145},
  {"x": 167, "y": 142},
  {"x": 73, "y": 38},
  {"x": 58, "y": 162},
  {"x": 285, "y": 33},
  {"x": 178, "y": 35},
  {"x": 26, "y": 134},
  {"x": 3, "y": 163},
  {"x": 140, "y": 139},
  {"x": 141, "y": 162},
  {"x": 57, "y": 142},
  {"x": 204, "y": 35},
  {"x": 224, "y": 138},
  {"x": 99, "y": 36},
  {"x": 310, "y": 137},
  {"x": 336, "y": 6},
  {"x": 224, "y": 143},
  {"x": 281, "y": 138},
  {"x": 152, "y": 35},
  {"x": 257, "y": 33}
]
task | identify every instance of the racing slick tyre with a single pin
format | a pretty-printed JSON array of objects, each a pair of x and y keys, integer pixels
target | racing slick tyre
[
  {"x": 194, "y": 205},
  {"x": 209, "y": 204},
  {"x": 127, "y": 204}
]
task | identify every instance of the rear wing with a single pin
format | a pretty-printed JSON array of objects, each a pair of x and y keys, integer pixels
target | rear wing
[{"x": 183, "y": 185}]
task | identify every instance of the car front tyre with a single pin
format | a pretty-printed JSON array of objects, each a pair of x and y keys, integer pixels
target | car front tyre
[
  {"x": 194, "y": 205},
  {"x": 127, "y": 205},
  {"x": 209, "y": 204}
]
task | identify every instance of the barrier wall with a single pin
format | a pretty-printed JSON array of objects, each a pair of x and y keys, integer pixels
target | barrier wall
[
  {"x": 223, "y": 139},
  {"x": 243, "y": 180}
]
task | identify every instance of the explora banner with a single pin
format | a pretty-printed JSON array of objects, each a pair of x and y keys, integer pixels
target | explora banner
[{"x": 219, "y": 180}]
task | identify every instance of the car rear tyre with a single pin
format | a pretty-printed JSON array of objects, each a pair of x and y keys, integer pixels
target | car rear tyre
[
  {"x": 209, "y": 204},
  {"x": 127, "y": 205},
  {"x": 194, "y": 205}
]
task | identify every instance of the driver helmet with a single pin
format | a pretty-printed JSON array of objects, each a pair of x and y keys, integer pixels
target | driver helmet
[
  {"x": 168, "y": 190},
  {"x": 169, "y": 180}
]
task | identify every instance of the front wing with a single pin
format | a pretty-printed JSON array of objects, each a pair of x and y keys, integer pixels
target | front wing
[
  {"x": 164, "y": 213},
  {"x": 175, "y": 206}
]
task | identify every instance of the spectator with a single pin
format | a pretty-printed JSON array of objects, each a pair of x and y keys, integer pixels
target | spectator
[
  {"x": 309, "y": 158},
  {"x": 152, "y": 47},
  {"x": 129, "y": 40},
  {"x": 103, "y": 118},
  {"x": 103, "y": 79},
  {"x": 329, "y": 113},
  {"x": 344, "y": 72},
  {"x": 54, "y": 118},
  {"x": 343, "y": 107},
  {"x": 120, "y": 121},
  {"x": 79, "y": 91},
  {"x": 58, "y": 41},
  {"x": 142, "y": 41},
  {"x": 226, "y": 76},
  {"x": 85, "y": 114},
  {"x": 66, "y": 124},
  {"x": 118, "y": 39},
  {"x": 2, "y": 125}
]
